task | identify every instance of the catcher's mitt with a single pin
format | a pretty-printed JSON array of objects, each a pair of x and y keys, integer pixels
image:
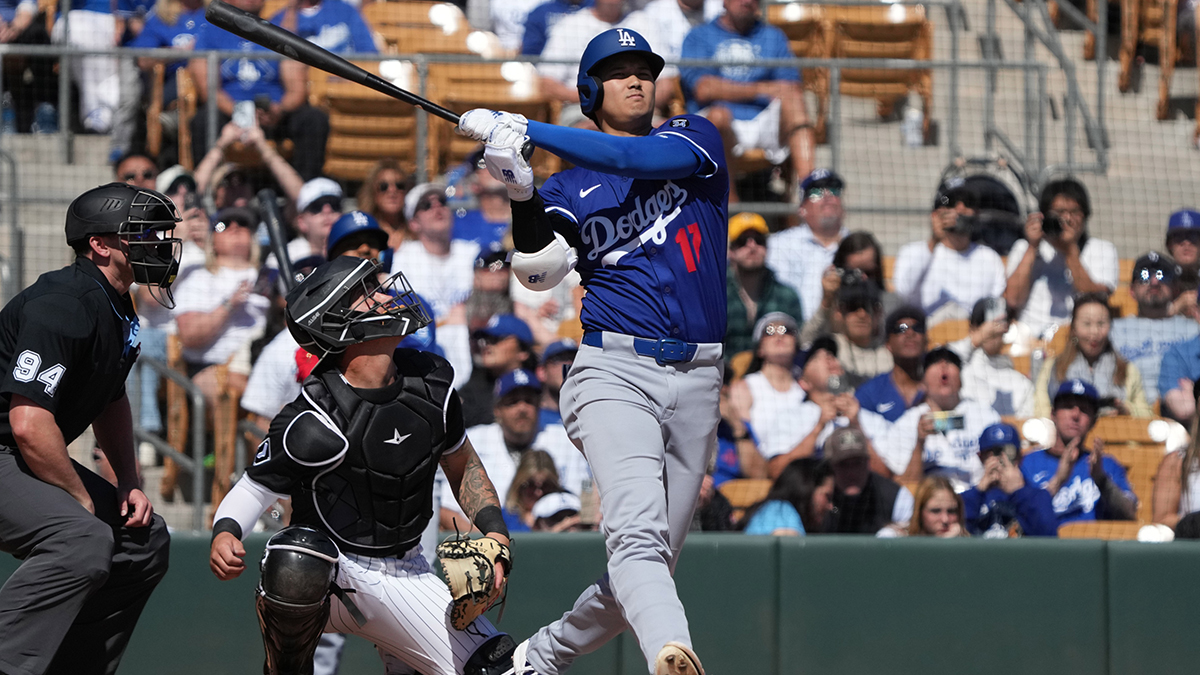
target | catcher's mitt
[{"x": 469, "y": 568}]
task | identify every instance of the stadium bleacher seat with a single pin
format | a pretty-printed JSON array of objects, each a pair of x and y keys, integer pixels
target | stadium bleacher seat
[
  {"x": 1109, "y": 530},
  {"x": 743, "y": 493},
  {"x": 806, "y": 29},
  {"x": 1128, "y": 440}
]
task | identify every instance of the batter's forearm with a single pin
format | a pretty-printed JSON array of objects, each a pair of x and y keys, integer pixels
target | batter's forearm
[
  {"x": 644, "y": 157},
  {"x": 531, "y": 228}
]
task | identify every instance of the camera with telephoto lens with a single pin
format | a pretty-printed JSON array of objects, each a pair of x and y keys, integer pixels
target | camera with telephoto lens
[
  {"x": 851, "y": 276},
  {"x": 964, "y": 224}
]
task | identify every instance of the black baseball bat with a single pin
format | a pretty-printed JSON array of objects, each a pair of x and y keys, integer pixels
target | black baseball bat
[
  {"x": 264, "y": 33},
  {"x": 268, "y": 208}
]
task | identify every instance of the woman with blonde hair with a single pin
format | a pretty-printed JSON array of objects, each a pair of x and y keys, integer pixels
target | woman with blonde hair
[
  {"x": 938, "y": 512},
  {"x": 382, "y": 195},
  {"x": 1090, "y": 356},
  {"x": 536, "y": 477}
]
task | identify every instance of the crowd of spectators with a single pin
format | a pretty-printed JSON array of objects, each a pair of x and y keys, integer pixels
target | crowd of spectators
[{"x": 835, "y": 390}]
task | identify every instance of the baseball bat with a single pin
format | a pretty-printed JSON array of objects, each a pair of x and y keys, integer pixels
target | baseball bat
[
  {"x": 262, "y": 32},
  {"x": 269, "y": 210}
]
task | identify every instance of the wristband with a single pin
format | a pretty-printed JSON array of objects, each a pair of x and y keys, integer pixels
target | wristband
[
  {"x": 226, "y": 525},
  {"x": 489, "y": 519}
]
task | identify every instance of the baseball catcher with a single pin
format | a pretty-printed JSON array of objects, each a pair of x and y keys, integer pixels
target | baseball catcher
[{"x": 357, "y": 453}]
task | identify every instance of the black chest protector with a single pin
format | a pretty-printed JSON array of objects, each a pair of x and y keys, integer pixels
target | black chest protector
[{"x": 378, "y": 497}]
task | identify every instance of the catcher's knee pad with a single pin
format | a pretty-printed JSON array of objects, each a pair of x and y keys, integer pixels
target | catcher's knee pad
[
  {"x": 493, "y": 657},
  {"x": 298, "y": 569}
]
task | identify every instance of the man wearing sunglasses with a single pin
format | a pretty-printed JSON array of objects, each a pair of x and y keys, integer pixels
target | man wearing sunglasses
[
  {"x": 1144, "y": 339},
  {"x": 752, "y": 289},
  {"x": 136, "y": 169},
  {"x": 892, "y": 393},
  {"x": 801, "y": 255},
  {"x": 93, "y": 551}
]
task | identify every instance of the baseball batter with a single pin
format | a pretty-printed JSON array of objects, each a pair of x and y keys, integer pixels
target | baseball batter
[
  {"x": 357, "y": 452},
  {"x": 643, "y": 218}
]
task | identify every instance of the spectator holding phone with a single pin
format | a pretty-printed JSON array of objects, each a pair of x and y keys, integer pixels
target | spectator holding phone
[
  {"x": 857, "y": 257},
  {"x": 946, "y": 274},
  {"x": 1003, "y": 504},
  {"x": 1089, "y": 356},
  {"x": 941, "y": 435},
  {"x": 1083, "y": 485},
  {"x": 1058, "y": 258},
  {"x": 831, "y": 405},
  {"x": 988, "y": 373}
]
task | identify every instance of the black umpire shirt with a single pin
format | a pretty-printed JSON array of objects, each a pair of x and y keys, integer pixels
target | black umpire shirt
[{"x": 67, "y": 344}]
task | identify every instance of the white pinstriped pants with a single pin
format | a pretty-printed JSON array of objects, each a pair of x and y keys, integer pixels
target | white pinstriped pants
[{"x": 408, "y": 614}]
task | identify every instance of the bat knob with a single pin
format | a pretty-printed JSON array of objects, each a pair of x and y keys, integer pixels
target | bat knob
[{"x": 527, "y": 150}]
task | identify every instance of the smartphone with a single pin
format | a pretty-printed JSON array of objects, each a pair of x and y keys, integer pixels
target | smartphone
[
  {"x": 243, "y": 114},
  {"x": 997, "y": 309},
  {"x": 1051, "y": 225},
  {"x": 837, "y": 385},
  {"x": 266, "y": 281},
  {"x": 947, "y": 420}
]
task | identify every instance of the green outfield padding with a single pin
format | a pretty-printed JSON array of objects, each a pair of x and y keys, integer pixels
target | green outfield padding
[{"x": 768, "y": 606}]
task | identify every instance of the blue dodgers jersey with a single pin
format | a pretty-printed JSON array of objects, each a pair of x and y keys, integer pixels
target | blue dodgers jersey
[
  {"x": 710, "y": 41},
  {"x": 181, "y": 35},
  {"x": 242, "y": 79},
  {"x": 335, "y": 26},
  {"x": 652, "y": 252},
  {"x": 1079, "y": 497}
]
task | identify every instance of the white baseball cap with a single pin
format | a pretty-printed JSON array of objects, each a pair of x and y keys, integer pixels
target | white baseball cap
[
  {"x": 315, "y": 189},
  {"x": 418, "y": 193},
  {"x": 554, "y": 503}
]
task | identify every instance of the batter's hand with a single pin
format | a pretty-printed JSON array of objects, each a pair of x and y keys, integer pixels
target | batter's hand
[
  {"x": 225, "y": 559},
  {"x": 135, "y": 507},
  {"x": 506, "y": 165},
  {"x": 484, "y": 125}
]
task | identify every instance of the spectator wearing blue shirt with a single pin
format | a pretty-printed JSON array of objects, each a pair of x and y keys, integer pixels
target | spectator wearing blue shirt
[
  {"x": 172, "y": 25},
  {"x": 1177, "y": 378},
  {"x": 799, "y": 502},
  {"x": 1083, "y": 485},
  {"x": 277, "y": 88},
  {"x": 541, "y": 19},
  {"x": 331, "y": 24},
  {"x": 892, "y": 393},
  {"x": 1003, "y": 504},
  {"x": 753, "y": 106},
  {"x": 488, "y": 224}
]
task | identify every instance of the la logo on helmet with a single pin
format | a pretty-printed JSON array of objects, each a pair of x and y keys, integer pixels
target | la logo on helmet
[{"x": 625, "y": 39}]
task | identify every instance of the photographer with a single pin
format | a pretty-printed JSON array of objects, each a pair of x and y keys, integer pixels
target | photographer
[
  {"x": 830, "y": 405},
  {"x": 857, "y": 320},
  {"x": 1002, "y": 504},
  {"x": 1058, "y": 259},
  {"x": 941, "y": 435},
  {"x": 858, "y": 257},
  {"x": 989, "y": 375},
  {"x": 947, "y": 274}
]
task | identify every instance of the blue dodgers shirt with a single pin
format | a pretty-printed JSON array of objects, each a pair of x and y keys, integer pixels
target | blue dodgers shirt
[
  {"x": 652, "y": 252},
  {"x": 1079, "y": 496},
  {"x": 541, "y": 19},
  {"x": 712, "y": 41},
  {"x": 245, "y": 78},
  {"x": 334, "y": 25},
  {"x": 472, "y": 226},
  {"x": 181, "y": 35},
  {"x": 880, "y": 395}
]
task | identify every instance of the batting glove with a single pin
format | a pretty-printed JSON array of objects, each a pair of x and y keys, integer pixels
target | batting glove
[
  {"x": 484, "y": 125},
  {"x": 506, "y": 165}
]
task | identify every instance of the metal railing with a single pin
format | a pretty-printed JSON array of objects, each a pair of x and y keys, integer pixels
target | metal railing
[{"x": 194, "y": 463}]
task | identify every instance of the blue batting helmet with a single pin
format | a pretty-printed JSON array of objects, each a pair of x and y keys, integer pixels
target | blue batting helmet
[
  {"x": 355, "y": 222},
  {"x": 607, "y": 44}
]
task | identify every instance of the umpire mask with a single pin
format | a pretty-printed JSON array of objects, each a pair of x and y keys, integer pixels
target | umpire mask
[
  {"x": 343, "y": 303},
  {"x": 144, "y": 220}
]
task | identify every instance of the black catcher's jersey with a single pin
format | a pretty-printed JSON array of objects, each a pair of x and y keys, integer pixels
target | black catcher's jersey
[
  {"x": 359, "y": 464},
  {"x": 66, "y": 343}
]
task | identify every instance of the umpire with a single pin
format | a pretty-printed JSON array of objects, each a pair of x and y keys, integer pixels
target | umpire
[{"x": 92, "y": 552}]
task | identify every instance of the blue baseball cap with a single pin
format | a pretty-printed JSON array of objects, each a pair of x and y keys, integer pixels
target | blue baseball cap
[
  {"x": 822, "y": 178},
  {"x": 1077, "y": 387},
  {"x": 504, "y": 325},
  {"x": 424, "y": 339},
  {"x": 1184, "y": 219},
  {"x": 563, "y": 346},
  {"x": 997, "y": 435},
  {"x": 356, "y": 222},
  {"x": 514, "y": 380}
]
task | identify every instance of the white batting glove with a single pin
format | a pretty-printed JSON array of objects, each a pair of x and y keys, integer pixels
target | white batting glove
[
  {"x": 506, "y": 165},
  {"x": 483, "y": 125}
]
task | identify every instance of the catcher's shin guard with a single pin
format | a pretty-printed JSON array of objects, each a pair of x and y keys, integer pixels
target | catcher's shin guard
[
  {"x": 298, "y": 569},
  {"x": 493, "y": 657}
]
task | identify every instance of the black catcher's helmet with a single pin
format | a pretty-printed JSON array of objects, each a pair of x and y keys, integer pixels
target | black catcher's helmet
[
  {"x": 144, "y": 220},
  {"x": 342, "y": 303}
]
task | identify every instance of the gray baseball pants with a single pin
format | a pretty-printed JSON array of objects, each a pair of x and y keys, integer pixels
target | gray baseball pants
[
  {"x": 647, "y": 431},
  {"x": 73, "y": 603}
]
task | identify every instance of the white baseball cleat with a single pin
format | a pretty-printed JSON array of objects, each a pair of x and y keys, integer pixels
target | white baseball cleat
[{"x": 675, "y": 659}]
